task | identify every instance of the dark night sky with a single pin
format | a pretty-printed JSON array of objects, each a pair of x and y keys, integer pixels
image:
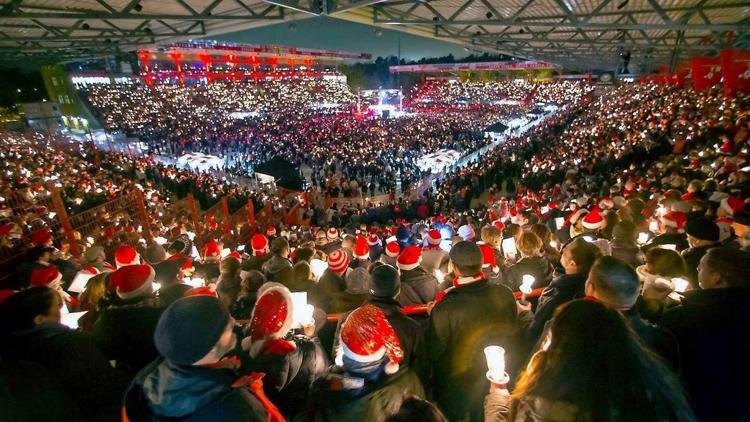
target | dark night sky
[{"x": 337, "y": 34}]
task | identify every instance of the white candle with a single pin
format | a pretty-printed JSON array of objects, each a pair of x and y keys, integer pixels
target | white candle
[
  {"x": 495, "y": 356},
  {"x": 439, "y": 276},
  {"x": 680, "y": 284},
  {"x": 526, "y": 282},
  {"x": 307, "y": 315},
  {"x": 318, "y": 267}
]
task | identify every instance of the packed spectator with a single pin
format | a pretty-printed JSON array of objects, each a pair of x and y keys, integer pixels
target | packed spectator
[{"x": 608, "y": 258}]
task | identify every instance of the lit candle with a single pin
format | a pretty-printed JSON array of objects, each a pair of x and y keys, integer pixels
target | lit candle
[
  {"x": 680, "y": 284},
  {"x": 643, "y": 238},
  {"x": 495, "y": 356},
  {"x": 526, "y": 282},
  {"x": 653, "y": 226},
  {"x": 318, "y": 267},
  {"x": 306, "y": 315},
  {"x": 439, "y": 276}
]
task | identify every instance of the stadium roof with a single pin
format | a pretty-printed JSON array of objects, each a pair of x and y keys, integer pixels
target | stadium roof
[{"x": 574, "y": 33}]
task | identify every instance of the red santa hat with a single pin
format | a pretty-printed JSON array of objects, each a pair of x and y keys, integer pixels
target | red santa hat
[
  {"x": 593, "y": 221},
  {"x": 201, "y": 291},
  {"x": 574, "y": 216},
  {"x": 211, "y": 249},
  {"x": 338, "y": 261},
  {"x": 41, "y": 237},
  {"x": 409, "y": 258},
  {"x": 373, "y": 239},
  {"x": 132, "y": 281},
  {"x": 271, "y": 231},
  {"x": 726, "y": 148},
  {"x": 366, "y": 336},
  {"x": 332, "y": 234},
  {"x": 234, "y": 255},
  {"x": 488, "y": 258},
  {"x": 271, "y": 319},
  {"x": 125, "y": 255},
  {"x": 392, "y": 248},
  {"x": 45, "y": 276},
  {"x": 732, "y": 205},
  {"x": 361, "y": 248},
  {"x": 499, "y": 224},
  {"x": 674, "y": 219},
  {"x": 188, "y": 265},
  {"x": 259, "y": 244},
  {"x": 434, "y": 237}
]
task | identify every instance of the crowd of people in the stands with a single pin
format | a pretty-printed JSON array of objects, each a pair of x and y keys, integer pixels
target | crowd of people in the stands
[
  {"x": 456, "y": 91},
  {"x": 611, "y": 262},
  {"x": 309, "y": 122}
]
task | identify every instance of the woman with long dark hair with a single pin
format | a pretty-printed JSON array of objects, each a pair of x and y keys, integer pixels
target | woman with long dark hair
[{"x": 592, "y": 368}]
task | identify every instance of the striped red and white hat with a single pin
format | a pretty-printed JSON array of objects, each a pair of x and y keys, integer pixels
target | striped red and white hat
[
  {"x": 332, "y": 234},
  {"x": 338, "y": 261}
]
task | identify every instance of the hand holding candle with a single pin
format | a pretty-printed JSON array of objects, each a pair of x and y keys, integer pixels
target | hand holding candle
[{"x": 495, "y": 356}]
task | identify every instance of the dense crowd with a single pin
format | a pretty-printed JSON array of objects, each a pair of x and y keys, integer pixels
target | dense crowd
[
  {"x": 450, "y": 92},
  {"x": 610, "y": 261},
  {"x": 309, "y": 122}
]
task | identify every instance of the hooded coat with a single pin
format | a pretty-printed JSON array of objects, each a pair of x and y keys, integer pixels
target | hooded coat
[{"x": 167, "y": 392}]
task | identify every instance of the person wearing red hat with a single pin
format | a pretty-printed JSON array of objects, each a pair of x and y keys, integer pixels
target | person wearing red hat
[
  {"x": 730, "y": 206},
  {"x": 390, "y": 254},
  {"x": 472, "y": 315},
  {"x": 51, "y": 277},
  {"x": 208, "y": 267},
  {"x": 417, "y": 285},
  {"x": 91, "y": 389},
  {"x": 357, "y": 279},
  {"x": 41, "y": 238},
  {"x": 373, "y": 379},
  {"x": 292, "y": 363},
  {"x": 260, "y": 253},
  {"x": 124, "y": 330},
  {"x": 376, "y": 245},
  {"x": 672, "y": 232},
  {"x": 125, "y": 255},
  {"x": 333, "y": 281},
  {"x": 490, "y": 269},
  {"x": 333, "y": 241},
  {"x": 433, "y": 257}
]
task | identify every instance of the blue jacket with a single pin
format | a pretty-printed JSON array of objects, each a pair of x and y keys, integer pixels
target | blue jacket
[{"x": 163, "y": 391}]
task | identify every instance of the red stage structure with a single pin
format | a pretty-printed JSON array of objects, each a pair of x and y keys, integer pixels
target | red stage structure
[{"x": 212, "y": 60}]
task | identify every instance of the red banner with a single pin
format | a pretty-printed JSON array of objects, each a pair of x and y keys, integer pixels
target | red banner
[
  {"x": 706, "y": 73},
  {"x": 735, "y": 65}
]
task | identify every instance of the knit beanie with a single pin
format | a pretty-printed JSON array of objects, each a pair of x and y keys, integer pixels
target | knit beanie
[{"x": 189, "y": 328}]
